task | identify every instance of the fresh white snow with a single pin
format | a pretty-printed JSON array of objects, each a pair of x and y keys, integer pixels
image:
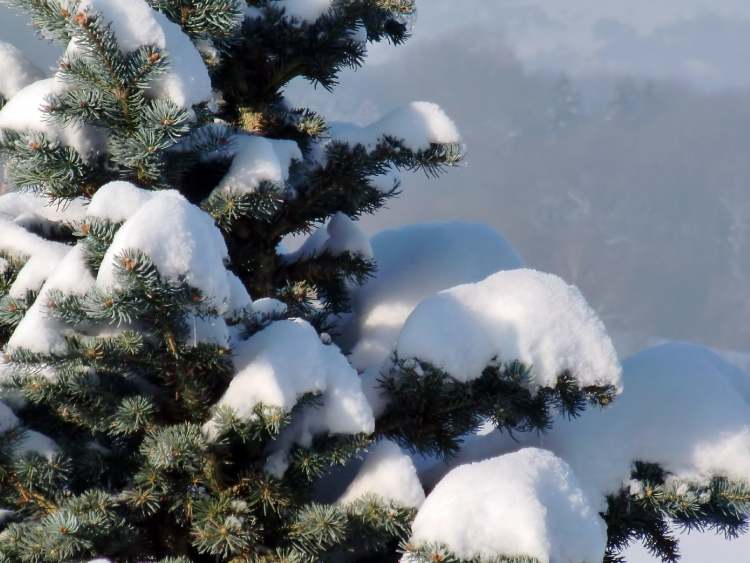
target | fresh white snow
[
  {"x": 418, "y": 125},
  {"x": 17, "y": 71},
  {"x": 25, "y": 112},
  {"x": 527, "y": 503},
  {"x": 256, "y": 160},
  {"x": 340, "y": 235},
  {"x": 667, "y": 414},
  {"x": 413, "y": 263},
  {"x": 523, "y": 315},
  {"x": 39, "y": 331},
  {"x": 182, "y": 241},
  {"x": 136, "y": 24},
  {"x": 388, "y": 473},
  {"x": 42, "y": 256},
  {"x": 268, "y": 374},
  {"x": 118, "y": 201}
]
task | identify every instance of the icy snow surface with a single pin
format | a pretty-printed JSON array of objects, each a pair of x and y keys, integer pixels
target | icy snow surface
[
  {"x": 413, "y": 263},
  {"x": 257, "y": 159},
  {"x": 667, "y": 414},
  {"x": 286, "y": 360},
  {"x": 389, "y": 474},
  {"x": 24, "y": 112},
  {"x": 17, "y": 71},
  {"x": 135, "y": 25},
  {"x": 523, "y": 315},
  {"x": 526, "y": 503},
  {"x": 182, "y": 241},
  {"x": 418, "y": 125}
]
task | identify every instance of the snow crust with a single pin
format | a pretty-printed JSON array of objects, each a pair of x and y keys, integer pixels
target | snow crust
[
  {"x": 287, "y": 360},
  {"x": 418, "y": 125},
  {"x": 523, "y": 315},
  {"x": 182, "y": 241},
  {"x": 388, "y": 473},
  {"x": 527, "y": 503},
  {"x": 256, "y": 160},
  {"x": 413, "y": 263},
  {"x": 25, "y": 112},
  {"x": 17, "y": 71},
  {"x": 136, "y": 24}
]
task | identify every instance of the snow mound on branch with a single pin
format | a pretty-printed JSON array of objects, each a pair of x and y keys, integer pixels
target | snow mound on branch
[
  {"x": 8, "y": 419},
  {"x": 33, "y": 211},
  {"x": 17, "y": 71},
  {"x": 418, "y": 125},
  {"x": 667, "y": 414},
  {"x": 42, "y": 257},
  {"x": 182, "y": 241},
  {"x": 25, "y": 112},
  {"x": 136, "y": 24},
  {"x": 39, "y": 331},
  {"x": 240, "y": 302},
  {"x": 118, "y": 201},
  {"x": 285, "y": 361},
  {"x": 388, "y": 473},
  {"x": 523, "y": 315},
  {"x": 341, "y": 235},
  {"x": 17, "y": 206},
  {"x": 257, "y": 160},
  {"x": 35, "y": 442},
  {"x": 31, "y": 441},
  {"x": 413, "y": 263},
  {"x": 304, "y": 10},
  {"x": 527, "y": 503}
]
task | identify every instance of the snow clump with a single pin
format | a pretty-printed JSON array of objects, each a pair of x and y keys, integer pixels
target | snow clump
[
  {"x": 522, "y": 315},
  {"x": 527, "y": 503}
]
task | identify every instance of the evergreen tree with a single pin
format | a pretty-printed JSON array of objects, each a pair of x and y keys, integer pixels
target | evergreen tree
[{"x": 153, "y": 411}]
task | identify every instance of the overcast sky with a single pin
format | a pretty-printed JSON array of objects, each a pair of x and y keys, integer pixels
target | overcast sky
[{"x": 705, "y": 41}]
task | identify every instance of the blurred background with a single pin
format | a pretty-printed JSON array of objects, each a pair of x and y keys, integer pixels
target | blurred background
[{"x": 608, "y": 141}]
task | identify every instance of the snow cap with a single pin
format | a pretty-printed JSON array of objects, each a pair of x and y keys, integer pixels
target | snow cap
[
  {"x": 387, "y": 473},
  {"x": 418, "y": 125},
  {"x": 527, "y": 503},
  {"x": 136, "y": 24},
  {"x": 522, "y": 315},
  {"x": 181, "y": 239},
  {"x": 413, "y": 263},
  {"x": 285, "y": 361}
]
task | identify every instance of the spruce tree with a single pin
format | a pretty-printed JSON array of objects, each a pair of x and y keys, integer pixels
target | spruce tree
[{"x": 172, "y": 379}]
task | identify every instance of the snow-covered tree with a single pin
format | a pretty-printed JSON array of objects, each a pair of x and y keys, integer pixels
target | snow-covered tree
[{"x": 179, "y": 386}]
